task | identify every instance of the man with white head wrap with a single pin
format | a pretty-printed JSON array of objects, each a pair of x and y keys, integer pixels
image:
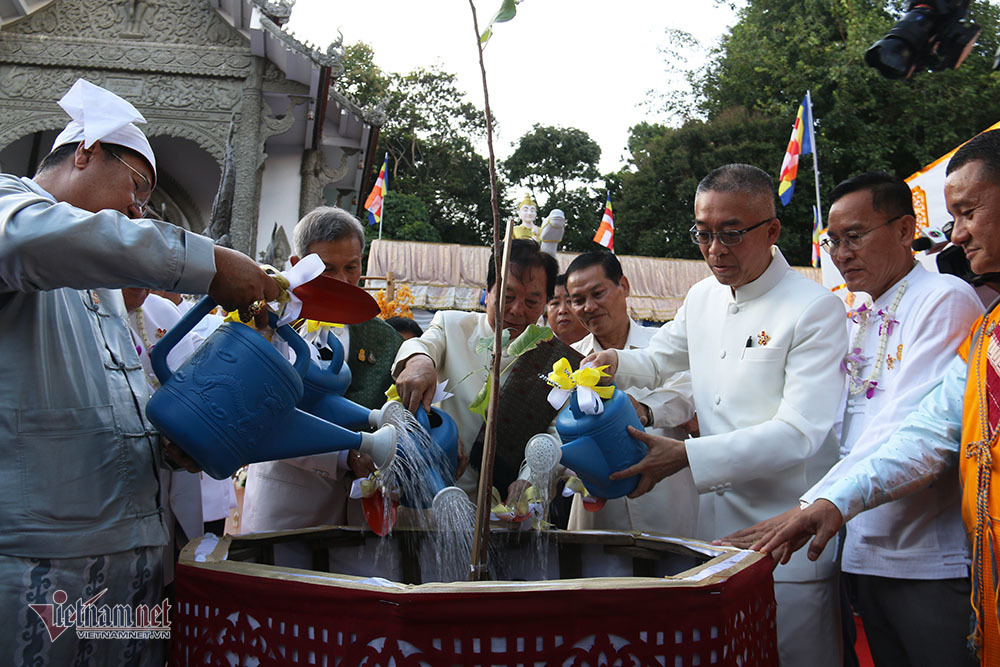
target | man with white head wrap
[{"x": 79, "y": 462}]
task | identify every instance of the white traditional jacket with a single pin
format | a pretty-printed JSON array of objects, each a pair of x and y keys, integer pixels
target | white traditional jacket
[
  {"x": 921, "y": 536},
  {"x": 672, "y": 506},
  {"x": 765, "y": 369}
]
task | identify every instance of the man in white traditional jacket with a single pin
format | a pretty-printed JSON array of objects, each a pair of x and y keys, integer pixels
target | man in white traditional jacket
[
  {"x": 764, "y": 345},
  {"x": 910, "y": 558},
  {"x": 598, "y": 291},
  {"x": 447, "y": 349}
]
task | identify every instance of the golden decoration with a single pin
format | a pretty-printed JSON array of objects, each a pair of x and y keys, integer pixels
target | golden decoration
[{"x": 399, "y": 306}]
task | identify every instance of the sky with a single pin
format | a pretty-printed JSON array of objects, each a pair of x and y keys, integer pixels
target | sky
[{"x": 588, "y": 64}]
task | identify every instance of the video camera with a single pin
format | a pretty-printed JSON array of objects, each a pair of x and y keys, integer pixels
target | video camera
[
  {"x": 933, "y": 34},
  {"x": 951, "y": 259}
]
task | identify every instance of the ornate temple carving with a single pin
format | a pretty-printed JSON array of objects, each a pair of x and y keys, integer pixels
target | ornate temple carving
[{"x": 191, "y": 68}]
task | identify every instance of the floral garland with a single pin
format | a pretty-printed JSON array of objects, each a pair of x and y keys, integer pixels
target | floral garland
[
  {"x": 854, "y": 361},
  {"x": 398, "y": 306}
]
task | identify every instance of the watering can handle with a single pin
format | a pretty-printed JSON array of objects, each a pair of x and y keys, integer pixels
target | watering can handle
[{"x": 158, "y": 357}]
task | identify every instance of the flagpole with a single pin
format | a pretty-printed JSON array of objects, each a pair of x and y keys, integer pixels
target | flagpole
[
  {"x": 812, "y": 140},
  {"x": 385, "y": 162}
]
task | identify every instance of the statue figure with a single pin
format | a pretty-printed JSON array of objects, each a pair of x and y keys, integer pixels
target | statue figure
[
  {"x": 551, "y": 232},
  {"x": 527, "y": 211}
]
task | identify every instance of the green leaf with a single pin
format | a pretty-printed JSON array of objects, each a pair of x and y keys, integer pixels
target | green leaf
[
  {"x": 529, "y": 340},
  {"x": 508, "y": 8},
  {"x": 507, "y": 11},
  {"x": 481, "y": 402},
  {"x": 483, "y": 344}
]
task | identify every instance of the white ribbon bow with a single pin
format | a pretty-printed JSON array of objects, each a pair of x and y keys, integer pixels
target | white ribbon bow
[{"x": 308, "y": 268}]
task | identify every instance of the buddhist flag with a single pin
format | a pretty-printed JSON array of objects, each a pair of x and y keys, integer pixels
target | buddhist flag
[
  {"x": 374, "y": 202},
  {"x": 800, "y": 143},
  {"x": 606, "y": 232},
  {"x": 815, "y": 238}
]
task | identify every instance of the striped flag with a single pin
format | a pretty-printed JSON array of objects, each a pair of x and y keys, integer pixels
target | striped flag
[
  {"x": 815, "y": 238},
  {"x": 374, "y": 202},
  {"x": 800, "y": 143},
  {"x": 606, "y": 232}
]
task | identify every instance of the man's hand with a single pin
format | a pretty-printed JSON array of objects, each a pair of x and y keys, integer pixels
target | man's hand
[
  {"x": 821, "y": 519},
  {"x": 746, "y": 538},
  {"x": 417, "y": 382},
  {"x": 515, "y": 491},
  {"x": 607, "y": 358},
  {"x": 664, "y": 457},
  {"x": 463, "y": 460},
  {"x": 360, "y": 464},
  {"x": 642, "y": 410},
  {"x": 179, "y": 458},
  {"x": 239, "y": 282}
]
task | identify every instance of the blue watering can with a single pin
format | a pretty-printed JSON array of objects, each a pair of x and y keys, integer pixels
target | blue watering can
[
  {"x": 438, "y": 467},
  {"x": 323, "y": 395},
  {"x": 596, "y": 446},
  {"x": 233, "y": 401}
]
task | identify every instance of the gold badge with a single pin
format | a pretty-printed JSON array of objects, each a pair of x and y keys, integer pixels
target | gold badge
[
  {"x": 899, "y": 352},
  {"x": 361, "y": 354},
  {"x": 763, "y": 338},
  {"x": 890, "y": 361}
]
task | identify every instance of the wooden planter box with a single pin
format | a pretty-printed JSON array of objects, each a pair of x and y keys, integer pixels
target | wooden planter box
[{"x": 613, "y": 599}]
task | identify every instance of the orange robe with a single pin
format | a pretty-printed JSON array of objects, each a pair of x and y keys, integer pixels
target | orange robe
[{"x": 978, "y": 462}]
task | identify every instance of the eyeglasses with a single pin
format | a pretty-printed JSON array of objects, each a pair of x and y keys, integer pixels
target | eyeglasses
[
  {"x": 726, "y": 236},
  {"x": 141, "y": 194},
  {"x": 852, "y": 240}
]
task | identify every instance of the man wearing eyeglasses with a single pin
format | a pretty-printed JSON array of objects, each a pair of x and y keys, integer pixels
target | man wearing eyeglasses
[
  {"x": 955, "y": 425},
  {"x": 912, "y": 556},
  {"x": 764, "y": 345},
  {"x": 80, "y": 465}
]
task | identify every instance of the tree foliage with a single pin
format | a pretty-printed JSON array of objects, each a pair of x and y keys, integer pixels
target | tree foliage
[
  {"x": 362, "y": 79},
  {"x": 559, "y": 166},
  {"x": 548, "y": 158},
  {"x": 430, "y": 135},
  {"x": 751, "y": 88}
]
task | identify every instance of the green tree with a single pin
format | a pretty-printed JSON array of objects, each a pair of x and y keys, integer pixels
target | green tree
[
  {"x": 430, "y": 135},
  {"x": 759, "y": 73},
  {"x": 362, "y": 79},
  {"x": 548, "y": 158}
]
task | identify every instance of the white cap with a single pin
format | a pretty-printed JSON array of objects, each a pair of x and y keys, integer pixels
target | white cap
[{"x": 100, "y": 115}]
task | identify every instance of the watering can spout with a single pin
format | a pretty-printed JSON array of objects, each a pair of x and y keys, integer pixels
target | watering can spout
[
  {"x": 596, "y": 445},
  {"x": 307, "y": 435}
]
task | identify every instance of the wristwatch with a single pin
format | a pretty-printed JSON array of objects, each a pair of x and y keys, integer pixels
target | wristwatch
[{"x": 649, "y": 415}]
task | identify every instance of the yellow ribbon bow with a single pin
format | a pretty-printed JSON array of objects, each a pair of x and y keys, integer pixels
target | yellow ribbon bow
[
  {"x": 565, "y": 381},
  {"x": 316, "y": 325}
]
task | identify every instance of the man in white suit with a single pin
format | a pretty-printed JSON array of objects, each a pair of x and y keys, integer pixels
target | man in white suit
[
  {"x": 763, "y": 344},
  {"x": 597, "y": 292},
  {"x": 447, "y": 349}
]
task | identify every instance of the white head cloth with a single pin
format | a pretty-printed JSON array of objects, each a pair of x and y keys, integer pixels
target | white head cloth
[{"x": 100, "y": 115}]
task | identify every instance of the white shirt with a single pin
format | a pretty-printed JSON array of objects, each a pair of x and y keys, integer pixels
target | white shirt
[
  {"x": 672, "y": 506},
  {"x": 921, "y": 536},
  {"x": 765, "y": 370}
]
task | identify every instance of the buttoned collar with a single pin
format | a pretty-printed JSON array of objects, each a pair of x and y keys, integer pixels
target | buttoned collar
[
  {"x": 890, "y": 293},
  {"x": 632, "y": 341},
  {"x": 764, "y": 283}
]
